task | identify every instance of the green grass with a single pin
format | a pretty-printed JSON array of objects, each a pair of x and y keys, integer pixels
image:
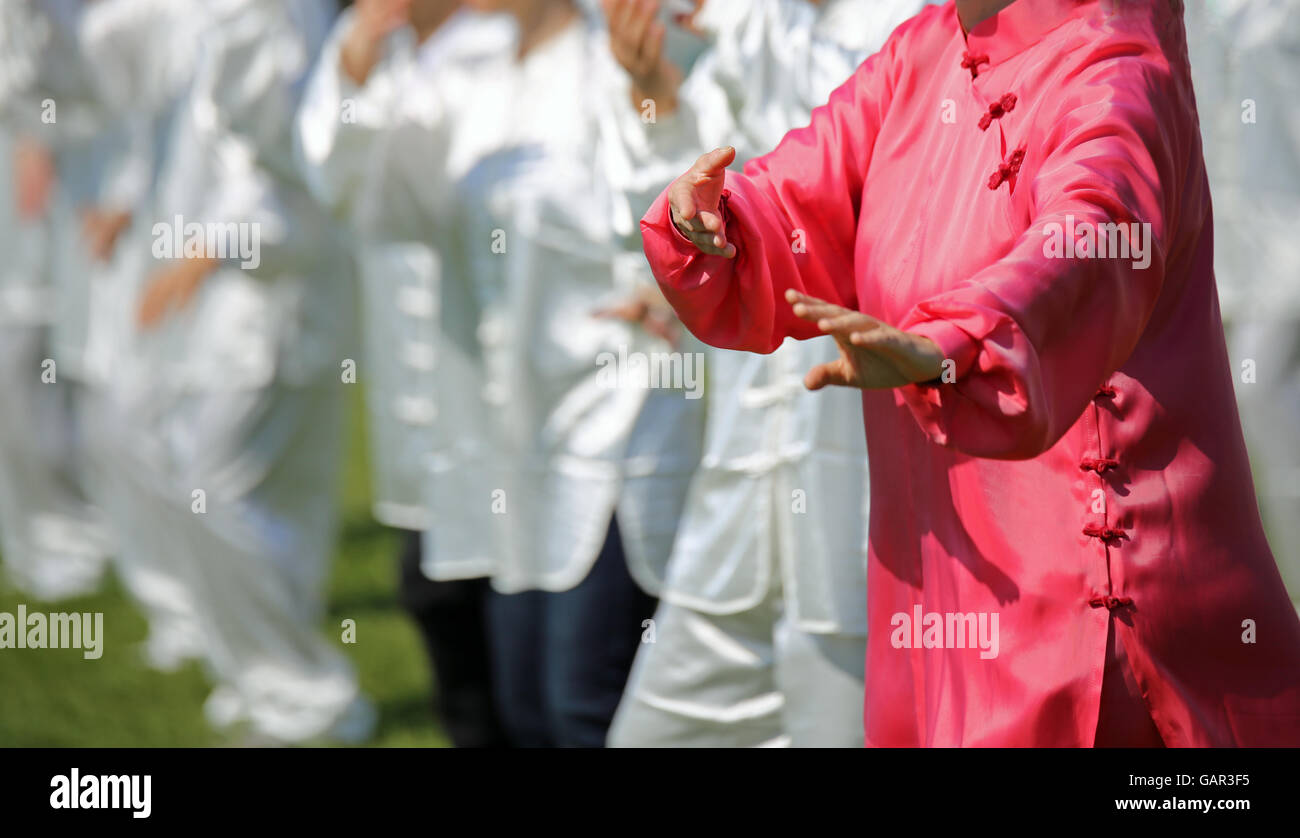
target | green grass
[{"x": 54, "y": 697}]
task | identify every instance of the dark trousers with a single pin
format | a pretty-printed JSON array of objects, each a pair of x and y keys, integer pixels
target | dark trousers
[
  {"x": 452, "y": 620},
  {"x": 561, "y": 659},
  {"x": 1123, "y": 720}
]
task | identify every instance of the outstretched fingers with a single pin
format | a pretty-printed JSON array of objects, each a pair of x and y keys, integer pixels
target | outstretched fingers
[{"x": 813, "y": 309}]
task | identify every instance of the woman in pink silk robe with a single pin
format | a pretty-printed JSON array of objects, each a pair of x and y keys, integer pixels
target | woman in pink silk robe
[{"x": 1078, "y": 470}]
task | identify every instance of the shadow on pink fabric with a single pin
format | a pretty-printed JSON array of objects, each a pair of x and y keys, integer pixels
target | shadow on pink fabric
[{"x": 1033, "y": 198}]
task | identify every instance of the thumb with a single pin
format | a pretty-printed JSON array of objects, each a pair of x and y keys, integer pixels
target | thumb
[
  {"x": 832, "y": 372},
  {"x": 715, "y": 162},
  {"x": 630, "y": 310}
]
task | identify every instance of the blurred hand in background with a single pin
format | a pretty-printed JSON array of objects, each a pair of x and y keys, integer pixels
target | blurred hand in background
[
  {"x": 648, "y": 309},
  {"x": 34, "y": 178},
  {"x": 100, "y": 228},
  {"x": 375, "y": 21},
  {"x": 172, "y": 288},
  {"x": 636, "y": 37}
]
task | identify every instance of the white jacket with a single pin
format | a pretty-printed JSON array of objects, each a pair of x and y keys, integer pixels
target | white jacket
[
  {"x": 534, "y": 213},
  {"x": 341, "y": 134},
  {"x": 47, "y": 94},
  {"x": 228, "y": 160},
  {"x": 225, "y": 163},
  {"x": 143, "y": 55}
]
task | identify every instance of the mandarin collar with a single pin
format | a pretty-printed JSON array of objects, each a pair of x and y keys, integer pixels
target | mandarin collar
[{"x": 1020, "y": 26}]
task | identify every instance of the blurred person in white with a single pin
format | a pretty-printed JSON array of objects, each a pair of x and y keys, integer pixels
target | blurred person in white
[
  {"x": 762, "y": 626},
  {"x": 231, "y": 394},
  {"x": 563, "y": 470},
  {"x": 379, "y": 52},
  {"x": 1245, "y": 57},
  {"x": 52, "y": 165},
  {"x": 139, "y": 57}
]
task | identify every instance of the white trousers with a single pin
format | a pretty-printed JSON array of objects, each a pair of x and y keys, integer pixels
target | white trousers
[
  {"x": 134, "y": 494},
  {"x": 1270, "y": 418},
  {"x": 53, "y": 542},
  {"x": 243, "y": 502},
  {"x": 741, "y": 680}
]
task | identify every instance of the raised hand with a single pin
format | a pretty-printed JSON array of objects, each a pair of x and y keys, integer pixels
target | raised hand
[
  {"x": 101, "y": 229},
  {"x": 375, "y": 21},
  {"x": 636, "y": 38},
  {"x": 172, "y": 288},
  {"x": 34, "y": 178},
  {"x": 873, "y": 355},
  {"x": 649, "y": 310},
  {"x": 695, "y": 200}
]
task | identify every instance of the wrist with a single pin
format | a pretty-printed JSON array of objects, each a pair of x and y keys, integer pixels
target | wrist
[
  {"x": 660, "y": 85},
  {"x": 665, "y": 103},
  {"x": 359, "y": 53}
]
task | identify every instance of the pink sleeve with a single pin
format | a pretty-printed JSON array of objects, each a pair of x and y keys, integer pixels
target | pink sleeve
[
  {"x": 793, "y": 218},
  {"x": 1030, "y": 338}
]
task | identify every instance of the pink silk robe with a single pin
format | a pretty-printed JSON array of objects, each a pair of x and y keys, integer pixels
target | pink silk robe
[{"x": 1085, "y": 470}]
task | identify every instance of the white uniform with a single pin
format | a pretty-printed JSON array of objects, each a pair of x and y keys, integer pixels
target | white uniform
[
  {"x": 54, "y": 544},
  {"x": 761, "y": 634},
  {"x": 1244, "y": 58},
  {"x": 341, "y": 134},
  {"x": 233, "y": 405},
  {"x": 145, "y": 56},
  {"x": 534, "y": 214}
]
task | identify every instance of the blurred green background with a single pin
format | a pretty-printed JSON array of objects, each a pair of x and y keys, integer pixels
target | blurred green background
[{"x": 54, "y": 697}]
